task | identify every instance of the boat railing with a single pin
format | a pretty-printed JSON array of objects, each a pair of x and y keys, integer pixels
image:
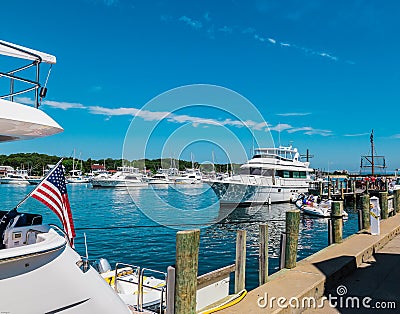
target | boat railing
[
  {"x": 122, "y": 269},
  {"x": 33, "y": 84}
]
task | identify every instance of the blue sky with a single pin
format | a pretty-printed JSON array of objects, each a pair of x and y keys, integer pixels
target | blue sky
[{"x": 320, "y": 74}]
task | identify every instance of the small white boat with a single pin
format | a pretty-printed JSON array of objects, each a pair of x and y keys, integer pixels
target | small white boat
[
  {"x": 19, "y": 177},
  {"x": 312, "y": 206},
  {"x": 190, "y": 176},
  {"x": 135, "y": 285},
  {"x": 126, "y": 177},
  {"x": 160, "y": 178},
  {"x": 77, "y": 177}
]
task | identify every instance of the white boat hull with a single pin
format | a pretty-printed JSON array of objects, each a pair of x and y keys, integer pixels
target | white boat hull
[
  {"x": 230, "y": 192},
  {"x": 117, "y": 184},
  {"x": 45, "y": 278},
  {"x": 14, "y": 181}
]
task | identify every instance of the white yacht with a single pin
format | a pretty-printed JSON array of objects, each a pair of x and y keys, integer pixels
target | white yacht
[
  {"x": 161, "y": 177},
  {"x": 273, "y": 175},
  {"x": 77, "y": 177},
  {"x": 190, "y": 176},
  {"x": 39, "y": 271},
  {"x": 19, "y": 176},
  {"x": 124, "y": 177}
]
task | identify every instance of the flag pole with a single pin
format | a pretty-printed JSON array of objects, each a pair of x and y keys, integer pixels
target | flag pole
[{"x": 44, "y": 178}]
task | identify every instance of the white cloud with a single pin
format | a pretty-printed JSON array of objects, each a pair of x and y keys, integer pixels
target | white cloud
[
  {"x": 174, "y": 118},
  {"x": 271, "y": 40},
  {"x": 191, "y": 22},
  {"x": 293, "y": 114},
  {"x": 281, "y": 127},
  {"x": 63, "y": 105},
  {"x": 24, "y": 100},
  {"x": 226, "y": 29},
  {"x": 311, "y": 131},
  {"x": 207, "y": 17},
  {"x": 285, "y": 44},
  {"x": 357, "y": 134}
]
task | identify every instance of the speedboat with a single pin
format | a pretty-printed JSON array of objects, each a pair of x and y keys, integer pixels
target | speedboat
[
  {"x": 312, "y": 205},
  {"x": 135, "y": 285},
  {"x": 161, "y": 177},
  {"x": 125, "y": 177},
  {"x": 77, "y": 177},
  {"x": 272, "y": 175},
  {"x": 40, "y": 272},
  {"x": 19, "y": 177},
  {"x": 190, "y": 176}
]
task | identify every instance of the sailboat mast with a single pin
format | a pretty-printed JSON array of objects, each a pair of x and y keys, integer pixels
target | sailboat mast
[{"x": 372, "y": 152}]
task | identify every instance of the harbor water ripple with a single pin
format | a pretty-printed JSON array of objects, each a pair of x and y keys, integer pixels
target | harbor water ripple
[{"x": 138, "y": 226}]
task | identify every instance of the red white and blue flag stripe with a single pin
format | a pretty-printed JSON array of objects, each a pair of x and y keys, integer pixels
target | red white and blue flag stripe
[{"x": 52, "y": 192}]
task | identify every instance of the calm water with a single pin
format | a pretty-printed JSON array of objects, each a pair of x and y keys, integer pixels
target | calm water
[{"x": 138, "y": 226}]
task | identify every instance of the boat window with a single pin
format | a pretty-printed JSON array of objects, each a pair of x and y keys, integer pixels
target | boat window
[
  {"x": 303, "y": 174},
  {"x": 244, "y": 171},
  {"x": 267, "y": 172},
  {"x": 286, "y": 174},
  {"x": 131, "y": 178},
  {"x": 255, "y": 171},
  {"x": 296, "y": 174}
]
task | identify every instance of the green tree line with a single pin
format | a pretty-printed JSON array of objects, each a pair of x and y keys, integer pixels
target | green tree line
[{"x": 35, "y": 163}]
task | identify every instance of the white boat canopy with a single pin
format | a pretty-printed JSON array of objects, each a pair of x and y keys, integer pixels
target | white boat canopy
[{"x": 13, "y": 50}]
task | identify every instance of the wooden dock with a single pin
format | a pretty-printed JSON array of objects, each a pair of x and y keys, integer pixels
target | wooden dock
[{"x": 310, "y": 279}]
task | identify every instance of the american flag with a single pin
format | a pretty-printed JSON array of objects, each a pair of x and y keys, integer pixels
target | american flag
[{"x": 52, "y": 192}]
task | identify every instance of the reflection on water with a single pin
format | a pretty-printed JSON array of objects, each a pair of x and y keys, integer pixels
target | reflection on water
[{"x": 138, "y": 225}]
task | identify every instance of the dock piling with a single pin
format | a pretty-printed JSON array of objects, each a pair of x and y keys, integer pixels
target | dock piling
[
  {"x": 396, "y": 194},
  {"x": 263, "y": 255},
  {"x": 365, "y": 209},
  {"x": 292, "y": 233},
  {"x": 383, "y": 199},
  {"x": 186, "y": 267},
  {"x": 170, "y": 290},
  {"x": 337, "y": 221},
  {"x": 240, "y": 273}
]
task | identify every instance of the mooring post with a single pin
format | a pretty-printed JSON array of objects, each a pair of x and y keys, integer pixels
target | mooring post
[
  {"x": 396, "y": 194},
  {"x": 263, "y": 255},
  {"x": 367, "y": 187},
  {"x": 342, "y": 193},
  {"x": 186, "y": 267},
  {"x": 170, "y": 290},
  {"x": 292, "y": 233},
  {"x": 365, "y": 209},
  {"x": 321, "y": 188},
  {"x": 383, "y": 199},
  {"x": 329, "y": 189},
  {"x": 337, "y": 221},
  {"x": 240, "y": 272}
]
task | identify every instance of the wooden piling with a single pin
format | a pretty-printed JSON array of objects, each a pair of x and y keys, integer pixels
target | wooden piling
[
  {"x": 321, "y": 188},
  {"x": 365, "y": 209},
  {"x": 240, "y": 273},
  {"x": 342, "y": 193},
  {"x": 337, "y": 221},
  {"x": 383, "y": 199},
  {"x": 329, "y": 189},
  {"x": 292, "y": 233},
  {"x": 367, "y": 187},
  {"x": 186, "y": 267},
  {"x": 396, "y": 194},
  {"x": 263, "y": 255}
]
